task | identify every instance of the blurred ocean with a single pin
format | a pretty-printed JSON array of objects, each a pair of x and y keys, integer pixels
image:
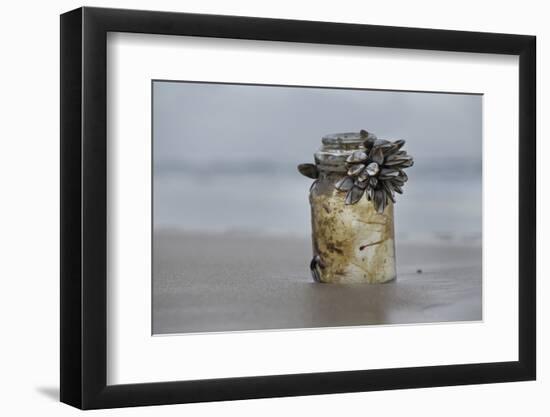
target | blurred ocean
[{"x": 442, "y": 200}]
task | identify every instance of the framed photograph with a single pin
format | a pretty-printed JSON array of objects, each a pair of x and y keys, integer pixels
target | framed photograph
[{"x": 257, "y": 208}]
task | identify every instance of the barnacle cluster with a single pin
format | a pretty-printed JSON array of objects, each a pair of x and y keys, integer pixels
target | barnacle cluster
[{"x": 376, "y": 171}]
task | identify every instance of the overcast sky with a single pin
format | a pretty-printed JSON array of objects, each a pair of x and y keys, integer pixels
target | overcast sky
[{"x": 207, "y": 122}]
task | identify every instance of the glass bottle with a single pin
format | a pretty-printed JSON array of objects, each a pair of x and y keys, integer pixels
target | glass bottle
[{"x": 352, "y": 243}]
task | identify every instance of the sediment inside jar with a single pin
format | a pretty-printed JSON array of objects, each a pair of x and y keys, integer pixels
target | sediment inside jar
[{"x": 354, "y": 243}]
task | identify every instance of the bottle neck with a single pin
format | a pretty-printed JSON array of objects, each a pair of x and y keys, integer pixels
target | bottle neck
[{"x": 335, "y": 149}]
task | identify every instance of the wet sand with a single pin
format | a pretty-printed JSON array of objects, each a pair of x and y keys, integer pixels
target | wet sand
[{"x": 212, "y": 283}]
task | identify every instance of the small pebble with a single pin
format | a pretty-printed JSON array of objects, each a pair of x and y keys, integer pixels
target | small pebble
[{"x": 418, "y": 271}]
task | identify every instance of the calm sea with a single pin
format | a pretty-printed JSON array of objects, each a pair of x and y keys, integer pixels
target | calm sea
[{"x": 441, "y": 202}]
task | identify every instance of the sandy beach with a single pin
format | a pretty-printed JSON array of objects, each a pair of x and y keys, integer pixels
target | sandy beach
[{"x": 211, "y": 283}]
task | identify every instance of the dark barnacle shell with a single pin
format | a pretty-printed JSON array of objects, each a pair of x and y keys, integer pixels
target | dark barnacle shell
[
  {"x": 355, "y": 169},
  {"x": 314, "y": 266},
  {"x": 344, "y": 184},
  {"x": 375, "y": 171},
  {"x": 368, "y": 137},
  {"x": 309, "y": 170},
  {"x": 354, "y": 195}
]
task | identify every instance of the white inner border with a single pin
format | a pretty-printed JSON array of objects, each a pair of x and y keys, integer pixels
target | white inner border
[{"x": 134, "y": 356}]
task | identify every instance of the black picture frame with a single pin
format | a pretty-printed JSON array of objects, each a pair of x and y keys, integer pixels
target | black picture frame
[{"x": 84, "y": 207}]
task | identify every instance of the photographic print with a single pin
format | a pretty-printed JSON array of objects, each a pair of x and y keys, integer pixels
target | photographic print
[
  {"x": 329, "y": 185},
  {"x": 294, "y": 207}
]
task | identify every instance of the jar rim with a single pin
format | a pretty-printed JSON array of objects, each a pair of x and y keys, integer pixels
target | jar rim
[{"x": 342, "y": 138}]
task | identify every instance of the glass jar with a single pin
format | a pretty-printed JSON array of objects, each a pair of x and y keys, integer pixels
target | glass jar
[{"x": 352, "y": 243}]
